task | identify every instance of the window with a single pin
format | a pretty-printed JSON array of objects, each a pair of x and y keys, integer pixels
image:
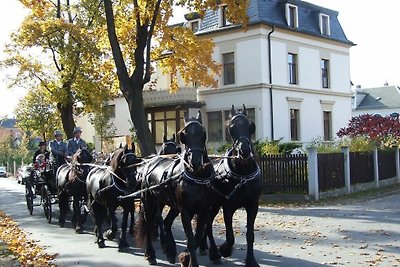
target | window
[
  {"x": 229, "y": 68},
  {"x": 195, "y": 25},
  {"x": 325, "y": 73},
  {"x": 165, "y": 122},
  {"x": 222, "y": 16},
  {"x": 292, "y": 64},
  {"x": 327, "y": 125},
  {"x": 292, "y": 16},
  {"x": 324, "y": 24},
  {"x": 111, "y": 111},
  {"x": 214, "y": 126},
  {"x": 294, "y": 125}
]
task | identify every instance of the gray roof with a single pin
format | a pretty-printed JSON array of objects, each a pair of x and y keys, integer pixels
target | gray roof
[
  {"x": 379, "y": 98},
  {"x": 272, "y": 12},
  {"x": 8, "y": 123}
]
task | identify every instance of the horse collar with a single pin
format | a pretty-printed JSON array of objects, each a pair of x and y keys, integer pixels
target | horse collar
[{"x": 242, "y": 177}]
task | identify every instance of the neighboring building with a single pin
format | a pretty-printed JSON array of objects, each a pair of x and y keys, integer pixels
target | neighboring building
[
  {"x": 379, "y": 100},
  {"x": 8, "y": 127},
  {"x": 290, "y": 68}
]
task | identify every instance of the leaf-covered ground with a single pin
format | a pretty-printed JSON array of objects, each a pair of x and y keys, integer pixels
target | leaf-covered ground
[{"x": 19, "y": 246}]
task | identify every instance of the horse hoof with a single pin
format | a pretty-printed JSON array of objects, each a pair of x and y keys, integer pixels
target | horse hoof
[
  {"x": 101, "y": 244},
  {"x": 251, "y": 263},
  {"x": 171, "y": 259},
  {"x": 225, "y": 250},
  {"x": 61, "y": 224},
  {"x": 123, "y": 249},
  {"x": 110, "y": 235},
  {"x": 79, "y": 230},
  {"x": 123, "y": 246},
  {"x": 152, "y": 261}
]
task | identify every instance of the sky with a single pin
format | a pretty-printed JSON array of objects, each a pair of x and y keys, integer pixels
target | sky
[{"x": 371, "y": 25}]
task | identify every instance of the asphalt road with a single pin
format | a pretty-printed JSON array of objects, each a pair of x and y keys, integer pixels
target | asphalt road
[{"x": 362, "y": 232}]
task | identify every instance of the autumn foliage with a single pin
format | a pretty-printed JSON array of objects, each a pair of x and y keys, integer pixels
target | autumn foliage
[
  {"x": 28, "y": 253},
  {"x": 382, "y": 130}
]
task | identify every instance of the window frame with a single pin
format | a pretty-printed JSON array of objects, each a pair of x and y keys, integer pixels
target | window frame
[
  {"x": 325, "y": 80},
  {"x": 294, "y": 128},
  {"x": 226, "y": 79},
  {"x": 292, "y": 18},
  {"x": 292, "y": 69},
  {"x": 327, "y": 125},
  {"x": 325, "y": 28},
  {"x": 198, "y": 21},
  {"x": 178, "y": 119},
  {"x": 220, "y": 130}
]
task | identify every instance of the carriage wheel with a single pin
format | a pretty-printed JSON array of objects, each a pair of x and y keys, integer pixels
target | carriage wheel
[
  {"x": 46, "y": 198},
  {"x": 29, "y": 197}
]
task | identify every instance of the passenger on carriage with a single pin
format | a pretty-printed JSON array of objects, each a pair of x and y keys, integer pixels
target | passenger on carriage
[
  {"x": 41, "y": 150},
  {"x": 58, "y": 150},
  {"x": 76, "y": 142}
]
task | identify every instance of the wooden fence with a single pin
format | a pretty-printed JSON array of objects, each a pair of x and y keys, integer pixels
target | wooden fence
[
  {"x": 387, "y": 164},
  {"x": 362, "y": 167},
  {"x": 330, "y": 171},
  {"x": 284, "y": 174}
]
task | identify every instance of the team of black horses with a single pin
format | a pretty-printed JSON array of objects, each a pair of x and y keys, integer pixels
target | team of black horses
[{"x": 189, "y": 182}]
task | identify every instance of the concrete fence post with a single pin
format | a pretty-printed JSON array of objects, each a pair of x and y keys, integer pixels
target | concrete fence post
[
  {"x": 397, "y": 164},
  {"x": 376, "y": 167},
  {"x": 15, "y": 168},
  {"x": 347, "y": 182},
  {"x": 313, "y": 187}
]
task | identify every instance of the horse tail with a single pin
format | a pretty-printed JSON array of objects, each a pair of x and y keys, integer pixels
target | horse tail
[{"x": 141, "y": 229}]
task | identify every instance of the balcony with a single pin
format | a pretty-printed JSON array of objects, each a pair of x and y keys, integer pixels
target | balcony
[{"x": 160, "y": 98}]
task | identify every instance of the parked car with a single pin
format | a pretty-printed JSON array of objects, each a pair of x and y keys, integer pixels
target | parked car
[
  {"x": 24, "y": 173},
  {"x": 3, "y": 172}
]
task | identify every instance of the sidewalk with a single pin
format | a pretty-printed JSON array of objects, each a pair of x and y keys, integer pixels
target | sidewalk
[{"x": 7, "y": 259}]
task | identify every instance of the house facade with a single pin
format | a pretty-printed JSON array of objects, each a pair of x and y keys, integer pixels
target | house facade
[
  {"x": 383, "y": 100},
  {"x": 291, "y": 68}
]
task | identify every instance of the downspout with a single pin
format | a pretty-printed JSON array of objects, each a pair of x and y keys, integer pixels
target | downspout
[{"x": 270, "y": 82}]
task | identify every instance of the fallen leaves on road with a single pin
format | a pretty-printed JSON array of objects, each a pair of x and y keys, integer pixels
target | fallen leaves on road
[{"x": 28, "y": 253}]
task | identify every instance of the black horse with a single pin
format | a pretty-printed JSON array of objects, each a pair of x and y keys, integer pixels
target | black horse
[
  {"x": 105, "y": 184},
  {"x": 182, "y": 184},
  {"x": 169, "y": 146},
  {"x": 237, "y": 185},
  {"x": 71, "y": 181}
]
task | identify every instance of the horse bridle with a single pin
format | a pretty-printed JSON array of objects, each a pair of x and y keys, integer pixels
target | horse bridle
[{"x": 126, "y": 174}]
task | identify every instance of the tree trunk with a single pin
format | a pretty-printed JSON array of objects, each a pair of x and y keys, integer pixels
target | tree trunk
[
  {"x": 67, "y": 118},
  {"x": 139, "y": 119}
]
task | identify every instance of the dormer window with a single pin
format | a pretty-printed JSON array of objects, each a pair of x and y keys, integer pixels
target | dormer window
[
  {"x": 223, "y": 21},
  {"x": 324, "y": 24},
  {"x": 195, "y": 25},
  {"x": 292, "y": 17}
]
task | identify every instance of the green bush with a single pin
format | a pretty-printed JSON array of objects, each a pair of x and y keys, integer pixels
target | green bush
[{"x": 273, "y": 147}]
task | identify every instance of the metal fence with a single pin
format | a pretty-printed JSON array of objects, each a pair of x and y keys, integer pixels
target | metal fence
[{"x": 284, "y": 174}]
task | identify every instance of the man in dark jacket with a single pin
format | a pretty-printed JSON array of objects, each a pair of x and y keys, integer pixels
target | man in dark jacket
[
  {"x": 58, "y": 150},
  {"x": 76, "y": 142}
]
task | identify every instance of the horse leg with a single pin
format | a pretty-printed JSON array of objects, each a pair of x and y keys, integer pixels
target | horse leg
[
  {"x": 146, "y": 227},
  {"x": 213, "y": 252},
  {"x": 185, "y": 258},
  {"x": 123, "y": 245},
  {"x": 226, "y": 248},
  {"x": 62, "y": 204},
  {"x": 112, "y": 232},
  {"x": 251, "y": 211},
  {"x": 99, "y": 213},
  {"x": 75, "y": 217},
  {"x": 169, "y": 244},
  {"x": 132, "y": 222}
]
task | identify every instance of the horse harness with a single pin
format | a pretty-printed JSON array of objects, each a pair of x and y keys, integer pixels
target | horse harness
[{"x": 228, "y": 174}]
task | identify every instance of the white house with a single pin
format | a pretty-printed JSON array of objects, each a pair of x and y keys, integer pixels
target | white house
[
  {"x": 290, "y": 68},
  {"x": 383, "y": 100}
]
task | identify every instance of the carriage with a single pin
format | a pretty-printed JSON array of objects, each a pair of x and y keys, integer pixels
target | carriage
[{"x": 41, "y": 186}]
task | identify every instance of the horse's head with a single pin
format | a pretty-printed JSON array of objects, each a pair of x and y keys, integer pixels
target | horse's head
[
  {"x": 169, "y": 146},
  {"x": 240, "y": 129},
  {"x": 124, "y": 163},
  {"x": 193, "y": 136},
  {"x": 82, "y": 155}
]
